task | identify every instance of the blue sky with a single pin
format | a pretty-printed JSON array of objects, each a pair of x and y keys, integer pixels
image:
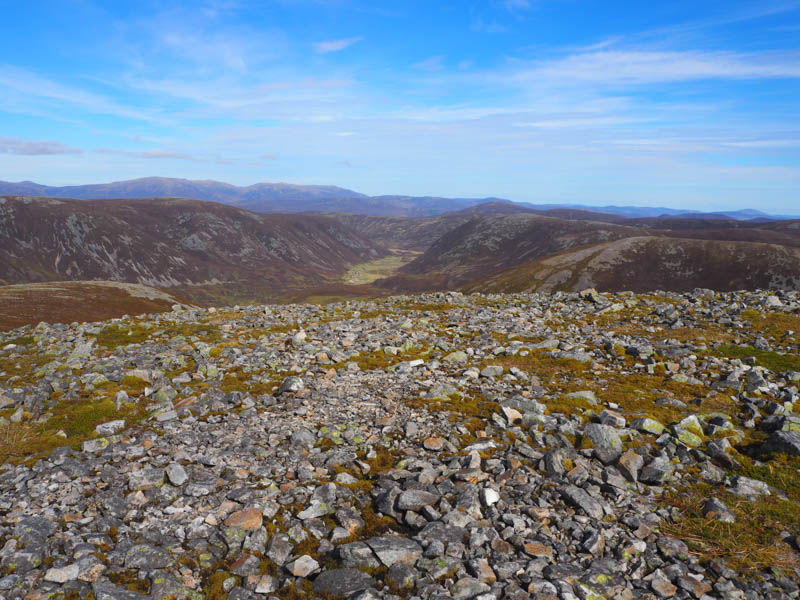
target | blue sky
[{"x": 685, "y": 104}]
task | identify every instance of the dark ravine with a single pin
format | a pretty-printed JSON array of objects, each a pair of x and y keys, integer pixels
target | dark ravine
[{"x": 546, "y": 446}]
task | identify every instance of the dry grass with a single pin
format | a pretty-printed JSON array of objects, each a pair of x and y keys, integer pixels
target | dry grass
[
  {"x": 752, "y": 543},
  {"x": 773, "y": 324},
  {"x": 373, "y": 270},
  {"x": 77, "y": 418},
  {"x": 14, "y": 438}
]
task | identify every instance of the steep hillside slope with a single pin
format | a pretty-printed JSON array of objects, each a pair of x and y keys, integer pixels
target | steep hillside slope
[
  {"x": 485, "y": 245},
  {"x": 650, "y": 263},
  {"x": 186, "y": 245},
  {"x": 684, "y": 253}
]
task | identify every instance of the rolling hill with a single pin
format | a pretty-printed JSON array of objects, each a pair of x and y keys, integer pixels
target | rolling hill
[
  {"x": 211, "y": 252},
  {"x": 525, "y": 251},
  {"x": 488, "y": 244}
]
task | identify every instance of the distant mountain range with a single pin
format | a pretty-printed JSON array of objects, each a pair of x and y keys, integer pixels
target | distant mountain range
[
  {"x": 213, "y": 253},
  {"x": 290, "y": 198}
]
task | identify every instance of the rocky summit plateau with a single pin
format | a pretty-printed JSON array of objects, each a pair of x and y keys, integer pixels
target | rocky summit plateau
[{"x": 543, "y": 445}]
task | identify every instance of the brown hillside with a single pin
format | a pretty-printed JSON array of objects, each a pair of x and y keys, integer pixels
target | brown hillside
[
  {"x": 70, "y": 301},
  {"x": 192, "y": 246},
  {"x": 650, "y": 263},
  {"x": 490, "y": 244}
]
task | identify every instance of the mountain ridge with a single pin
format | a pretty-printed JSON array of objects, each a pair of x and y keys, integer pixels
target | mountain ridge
[{"x": 268, "y": 197}]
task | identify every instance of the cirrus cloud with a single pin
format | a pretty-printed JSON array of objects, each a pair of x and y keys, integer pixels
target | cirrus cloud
[
  {"x": 336, "y": 45},
  {"x": 34, "y": 147}
]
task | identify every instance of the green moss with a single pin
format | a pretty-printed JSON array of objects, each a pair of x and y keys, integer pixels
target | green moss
[
  {"x": 129, "y": 580},
  {"x": 213, "y": 586},
  {"x": 121, "y": 334},
  {"x": 76, "y": 417},
  {"x": 24, "y": 340},
  {"x": 780, "y": 471},
  {"x": 764, "y": 358},
  {"x": 385, "y": 458},
  {"x": 772, "y": 324},
  {"x": 374, "y": 525},
  {"x": 237, "y": 380},
  {"x": 115, "y": 335},
  {"x": 133, "y": 385},
  {"x": 476, "y": 408}
]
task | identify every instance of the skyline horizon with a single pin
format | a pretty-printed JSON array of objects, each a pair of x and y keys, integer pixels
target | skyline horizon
[
  {"x": 598, "y": 102},
  {"x": 489, "y": 198}
]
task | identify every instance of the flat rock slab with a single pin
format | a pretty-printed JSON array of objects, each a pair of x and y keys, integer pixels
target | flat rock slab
[
  {"x": 249, "y": 518},
  {"x": 415, "y": 500},
  {"x": 303, "y": 566},
  {"x": 147, "y": 557},
  {"x": 108, "y": 591},
  {"x": 391, "y": 549},
  {"x": 580, "y": 499},
  {"x": 62, "y": 574},
  {"x": 176, "y": 474},
  {"x": 606, "y": 440},
  {"x": 342, "y": 582}
]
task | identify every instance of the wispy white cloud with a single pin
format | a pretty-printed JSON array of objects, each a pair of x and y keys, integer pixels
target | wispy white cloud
[
  {"x": 336, "y": 45},
  {"x": 616, "y": 109},
  {"x": 583, "y": 122},
  {"x": 777, "y": 143},
  {"x": 728, "y": 16},
  {"x": 34, "y": 147},
  {"x": 640, "y": 67},
  {"x": 25, "y": 85},
  {"x": 194, "y": 41}
]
